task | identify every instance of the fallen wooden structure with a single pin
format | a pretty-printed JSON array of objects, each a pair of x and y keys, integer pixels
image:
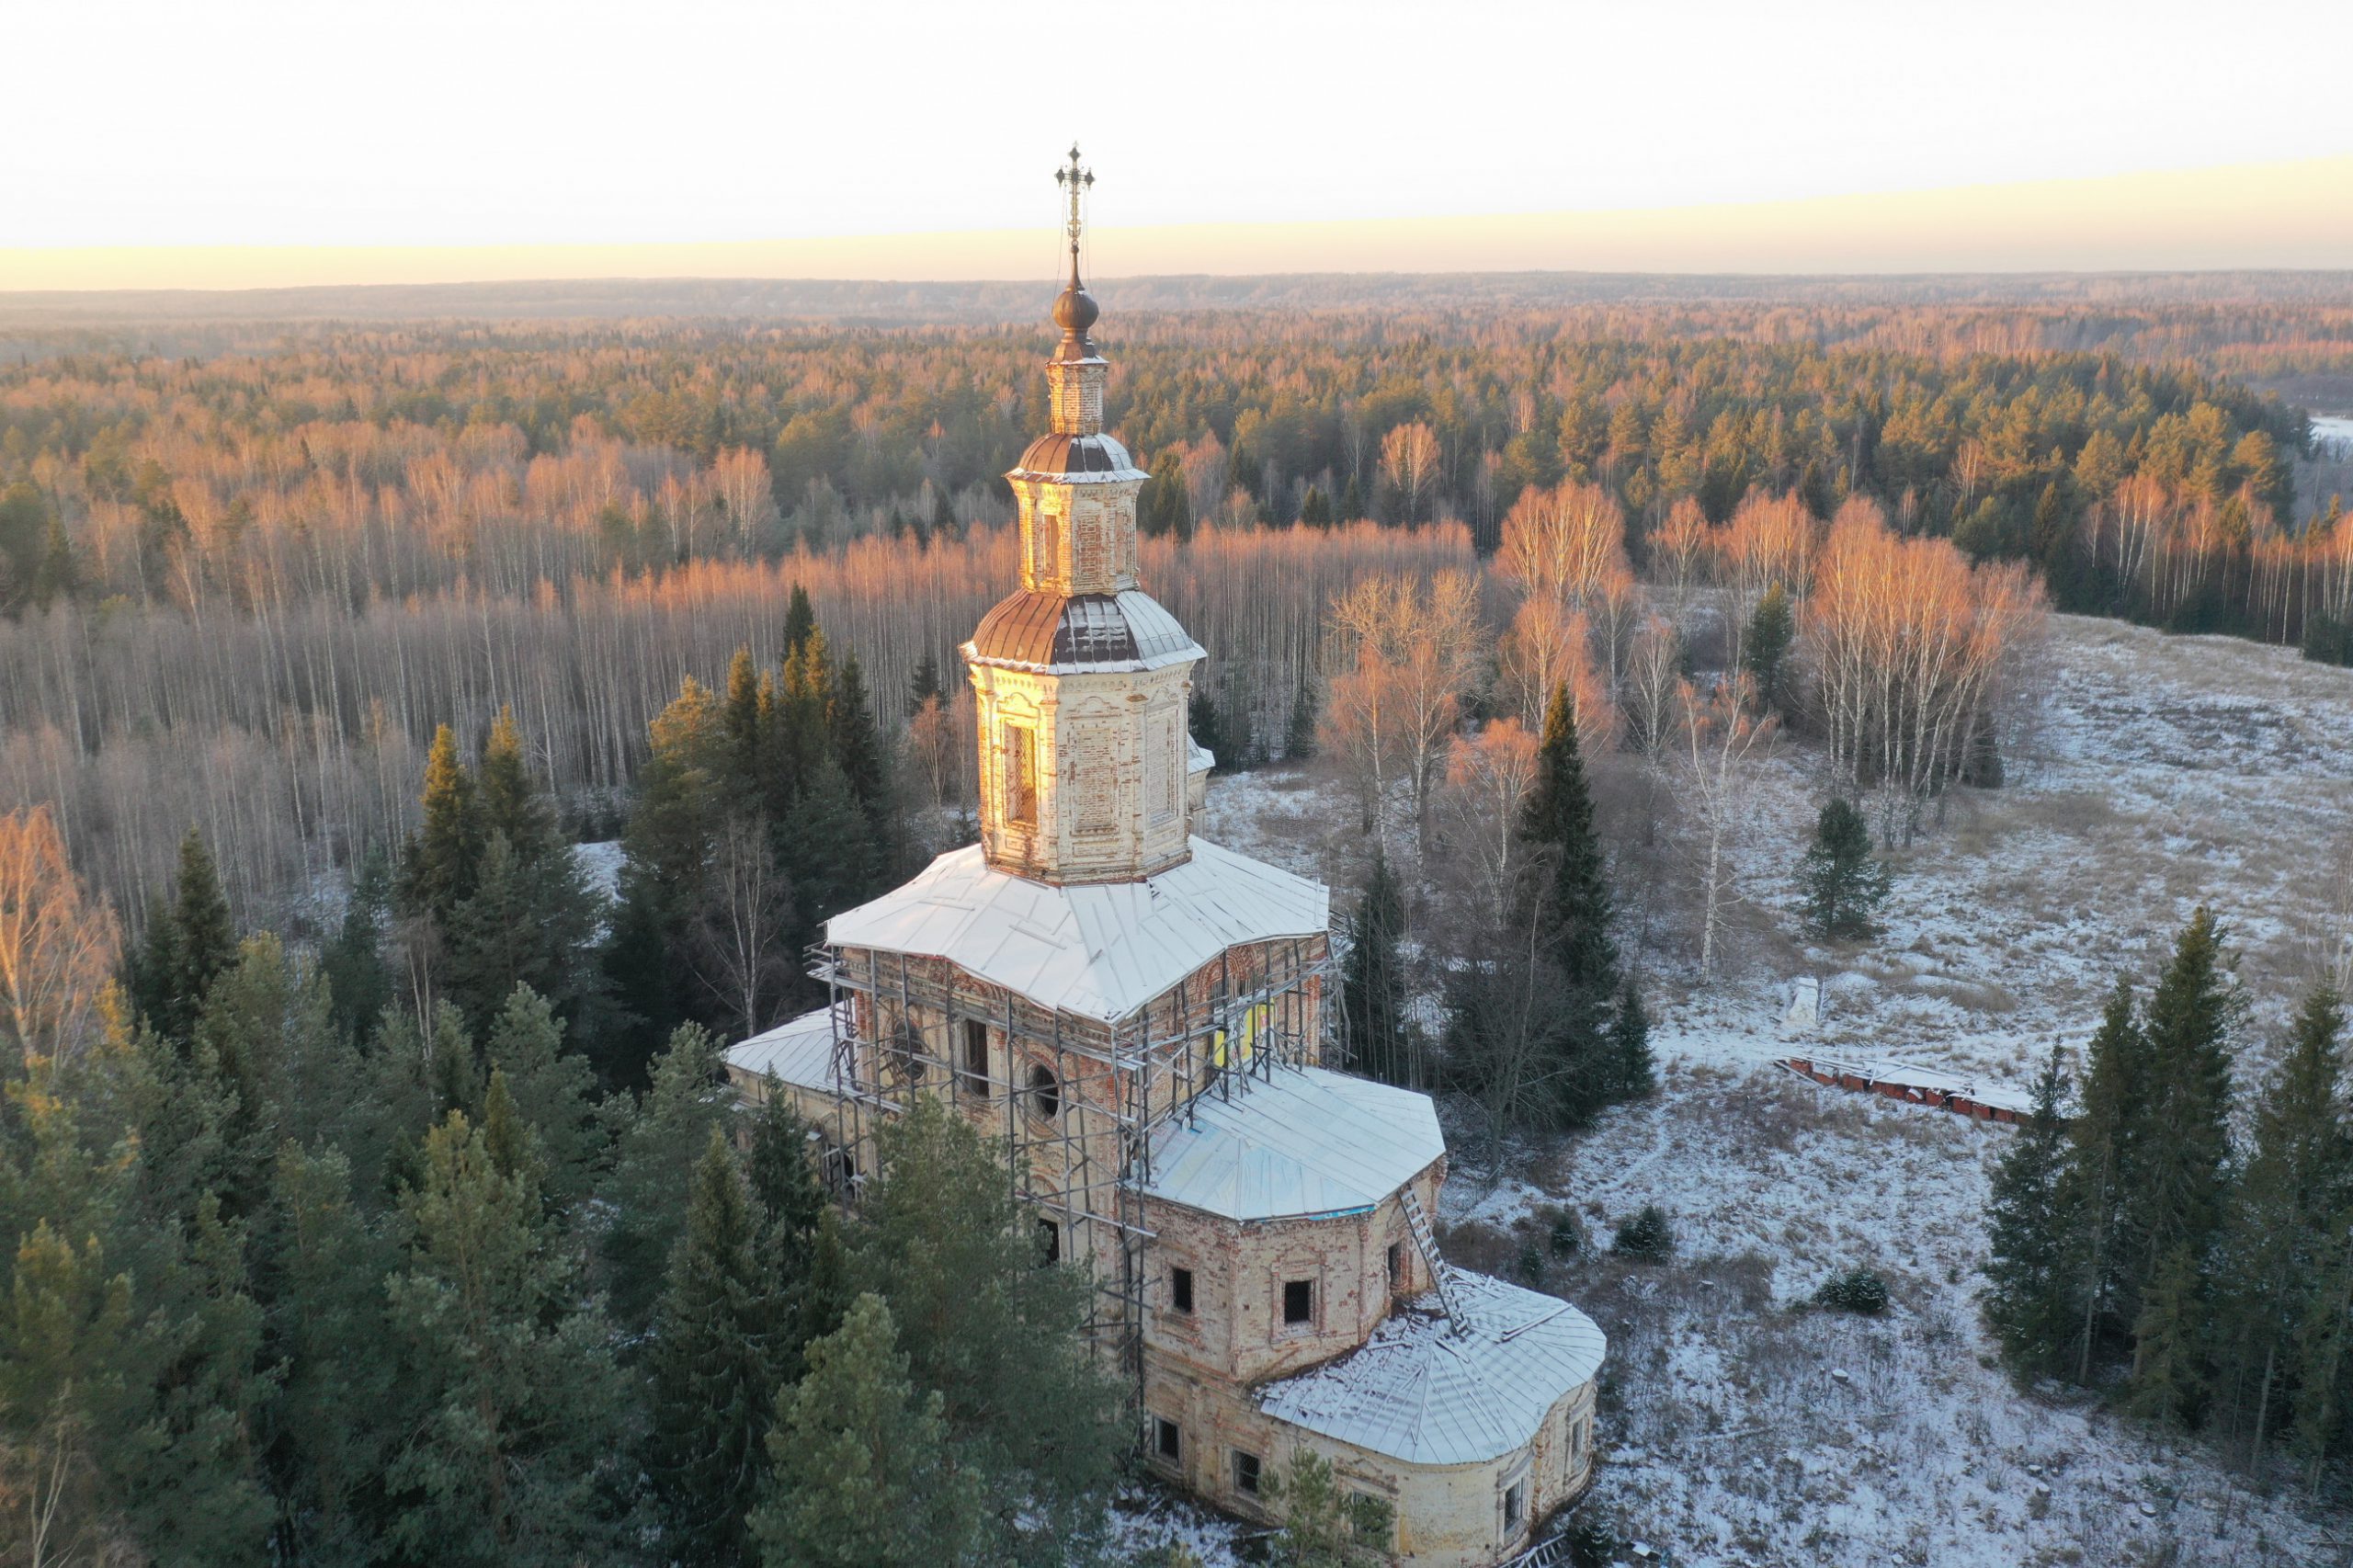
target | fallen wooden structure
[{"x": 1916, "y": 1084}]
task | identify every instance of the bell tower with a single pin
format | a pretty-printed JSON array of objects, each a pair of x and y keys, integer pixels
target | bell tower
[{"x": 1082, "y": 678}]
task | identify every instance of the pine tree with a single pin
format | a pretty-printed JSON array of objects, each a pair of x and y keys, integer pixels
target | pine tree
[
  {"x": 1845, "y": 882},
  {"x": 1764, "y": 643},
  {"x": 1163, "y": 508},
  {"x": 865, "y": 1475},
  {"x": 1326, "y": 1525},
  {"x": 2031, "y": 1300},
  {"x": 1001, "y": 1339},
  {"x": 661, "y": 1134},
  {"x": 1373, "y": 981},
  {"x": 740, "y": 719},
  {"x": 510, "y": 1141},
  {"x": 438, "y": 869},
  {"x": 718, "y": 1359},
  {"x": 510, "y": 1434}
]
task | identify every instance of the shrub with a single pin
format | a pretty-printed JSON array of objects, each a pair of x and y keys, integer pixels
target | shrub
[
  {"x": 1563, "y": 1231},
  {"x": 1530, "y": 1264},
  {"x": 1645, "y": 1238},
  {"x": 1857, "y": 1290},
  {"x": 1592, "y": 1542}
]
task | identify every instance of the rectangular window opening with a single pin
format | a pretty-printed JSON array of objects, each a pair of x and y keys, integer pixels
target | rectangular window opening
[
  {"x": 1299, "y": 1300},
  {"x": 976, "y": 1056},
  {"x": 1050, "y": 1241},
  {"x": 1171, "y": 1440},
  {"x": 1021, "y": 775},
  {"x": 1246, "y": 1474},
  {"x": 1514, "y": 1504},
  {"x": 1396, "y": 1265},
  {"x": 1180, "y": 1290}
]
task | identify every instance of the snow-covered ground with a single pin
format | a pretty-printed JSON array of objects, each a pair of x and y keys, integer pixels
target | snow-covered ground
[{"x": 1745, "y": 1428}]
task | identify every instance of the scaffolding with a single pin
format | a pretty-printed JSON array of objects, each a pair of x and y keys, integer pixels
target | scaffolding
[{"x": 1076, "y": 1100}]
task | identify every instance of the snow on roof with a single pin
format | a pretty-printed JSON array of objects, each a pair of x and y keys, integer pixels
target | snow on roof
[
  {"x": 800, "y": 1051},
  {"x": 1100, "y": 950},
  {"x": 1937, "y": 1081},
  {"x": 1421, "y": 1393},
  {"x": 1306, "y": 1141}
]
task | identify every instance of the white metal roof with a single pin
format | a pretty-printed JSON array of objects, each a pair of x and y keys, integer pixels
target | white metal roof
[
  {"x": 800, "y": 1051},
  {"x": 1101, "y": 949},
  {"x": 1421, "y": 1393},
  {"x": 1306, "y": 1141}
]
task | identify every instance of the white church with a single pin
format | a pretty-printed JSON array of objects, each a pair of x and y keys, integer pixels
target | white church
[{"x": 1137, "y": 1015}]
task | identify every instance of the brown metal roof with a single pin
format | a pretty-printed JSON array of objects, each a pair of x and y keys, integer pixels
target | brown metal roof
[
  {"x": 1068, "y": 457},
  {"x": 1029, "y": 627}
]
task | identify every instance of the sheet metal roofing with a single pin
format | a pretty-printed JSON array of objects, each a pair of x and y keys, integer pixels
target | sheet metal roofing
[
  {"x": 800, "y": 1051},
  {"x": 1304, "y": 1142},
  {"x": 1076, "y": 459},
  {"x": 1094, "y": 633},
  {"x": 1419, "y": 1393},
  {"x": 1100, "y": 950}
]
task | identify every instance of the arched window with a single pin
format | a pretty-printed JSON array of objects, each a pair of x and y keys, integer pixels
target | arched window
[{"x": 1045, "y": 1093}]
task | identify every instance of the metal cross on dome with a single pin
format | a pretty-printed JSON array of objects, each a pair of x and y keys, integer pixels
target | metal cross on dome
[{"x": 1075, "y": 181}]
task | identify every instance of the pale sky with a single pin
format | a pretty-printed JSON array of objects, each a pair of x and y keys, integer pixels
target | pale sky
[{"x": 514, "y": 122}]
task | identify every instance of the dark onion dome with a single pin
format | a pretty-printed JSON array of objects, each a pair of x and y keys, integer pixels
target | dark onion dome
[
  {"x": 1042, "y": 631},
  {"x": 1075, "y": 311},
  {"x": 1077, "y": 457}
]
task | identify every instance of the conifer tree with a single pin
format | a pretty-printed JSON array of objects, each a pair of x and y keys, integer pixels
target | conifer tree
[
  {"x": 1164, "y": 507},
  {"x": 999, "y": 1337},
  {"x": 1315, "y": 508},
  {"x": 1634, "y": 1075},
  {"x": 437, "y": 871},
  {"x": 2176, "y": 1200},
  {"x": 792, "y": 1205},
  {"x": 358, "y": 977},
  {"x": 2103, "y": 1168},
  {"x": 2030, "y": 1302},
  {"x": 551, "y": 1088},
  {"x": 924, "y": 684},
  {"x": 719, "y": 1349},
  {"x": 865, "y": 1476},
  {"x": 1352, "y": 501},
  {"x": 800, "y": 620},
  {"x": 2281, "y": 1241},
  {"x": 1845, "y": 882},
  {"x": 740, "y": 719},
  {"x": 511, "y": 804},
  {"x": 1558, "y": 817},
  {"x": 1373, "y": 981},
  {"x": 663, "y": 1133},
  {"x": 858, "y": 751},
  {"x": 188, "y": 942},
  {"x": 1298, "y": 737},
  {"x": 2170, "y": 1375},
  {"x": 511, "y": 1431},
  {"x": 1765, "y": 645}
]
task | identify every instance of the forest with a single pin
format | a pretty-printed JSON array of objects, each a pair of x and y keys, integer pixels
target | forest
[{"x": 377, "y": 1195}]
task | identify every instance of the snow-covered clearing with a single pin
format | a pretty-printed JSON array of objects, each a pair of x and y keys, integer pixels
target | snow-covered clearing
[{"x": 1745, "y": 1428}]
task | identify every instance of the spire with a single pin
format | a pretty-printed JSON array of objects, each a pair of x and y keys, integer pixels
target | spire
[{"x": 1075, "y": 309}]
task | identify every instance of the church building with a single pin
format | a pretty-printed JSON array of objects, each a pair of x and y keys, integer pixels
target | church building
[{"x": 1137, "y": 1015}]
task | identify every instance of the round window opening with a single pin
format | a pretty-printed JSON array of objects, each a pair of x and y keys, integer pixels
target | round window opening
[{"x": 1045, "y": 1094}]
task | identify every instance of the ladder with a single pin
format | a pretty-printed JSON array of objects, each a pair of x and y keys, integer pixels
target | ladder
[
  {"x": 1550, "y": 1554},
  {"x": 1417, "y": 1221}
]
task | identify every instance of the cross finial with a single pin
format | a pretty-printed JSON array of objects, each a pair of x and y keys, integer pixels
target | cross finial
[{"x": 1074, "y": 182}]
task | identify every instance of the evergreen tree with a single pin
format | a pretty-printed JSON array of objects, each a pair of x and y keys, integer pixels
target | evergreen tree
[
  {"x": 924, "y": 684},
  {"x": 661, "y": 1134},
  {"x": 2103, "y": 1166},
  {"x": 511, "y": 1428},
  {"x": 188, "y": 942},
  {"x": 865, "y": 1476},
  {"x": 1315, "y": 508},
  {"x": 740, "y": 719},
  {"x": 1326, "y": 1525},
  {"x": 1299, "y": 737},
  {"x": 438, "y": 869},
  {"x": 1000, "y": 1338},
  {"x": 719, "y": 1349},
  {"x": 512, "y": 805},
  {"x": 2279, "y": 1242},
  {"x": 1164, "y": 507},
  {"x": 1765, "y": 645},
  {"x": 358, "y": 977},
  {"x": 800, "y": 620},
  {"x": 2031, "y": 1300},
  {"x": 550, "y": 1087},
  {"x": 2176, "y": 1200},
  {"x": 1845, "y": 882},
  {"x": 1572, "y": 918},
  {"x": 2170, "y": 1375},
  {"x": 792, "y": 1205},
  {"x": 858, "y": 751},
  {"x": 1634, "y": 1074},
  {"x": 1352, "y": 501},
  {"x": 1373, "y": 981}
]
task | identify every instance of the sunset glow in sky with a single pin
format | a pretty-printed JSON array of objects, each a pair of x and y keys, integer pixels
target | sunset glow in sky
[{"x": 476, "y": 124}]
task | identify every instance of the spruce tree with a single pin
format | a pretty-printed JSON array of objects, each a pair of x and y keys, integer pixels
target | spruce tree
[
  {"x": 1373, "y": 981},
  {"x": 358, "y": 977},
  {"x": 1299, "y": 736},
  {"x": 1845, "y": 882},
  {"x": 2103, "y": 1168},
  {"x": 858, "y": 750},
  {"x": 1315, "y": 508},
  {"x": 800, "y": 620},
  {"x": 511, "y": 804},
  {"x": 2031, "y": 1299},
  {"x": 1352, "y": 501},
  {"x": 924, "y": 684},
  {"x": 2177, "y": 1197},
  {"x": 864, "y": 1474},
  {"x": 1634, "y": 1074},
  {"x": 2279, "y": 1242},
  {"x": 2169, "y": 1360},
  {"x": 661, "y": 1134},
  {"x": 718, "y": 1359},
  {"x": 187, "y": 943},
  {"x": 1571, "y": 918},
  {"x": 739, "y": 718},
  {"x": 792, "y": 1205},
  {"x": 552, "y": 1088},
  {"x": 1765, "y": 645}
]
